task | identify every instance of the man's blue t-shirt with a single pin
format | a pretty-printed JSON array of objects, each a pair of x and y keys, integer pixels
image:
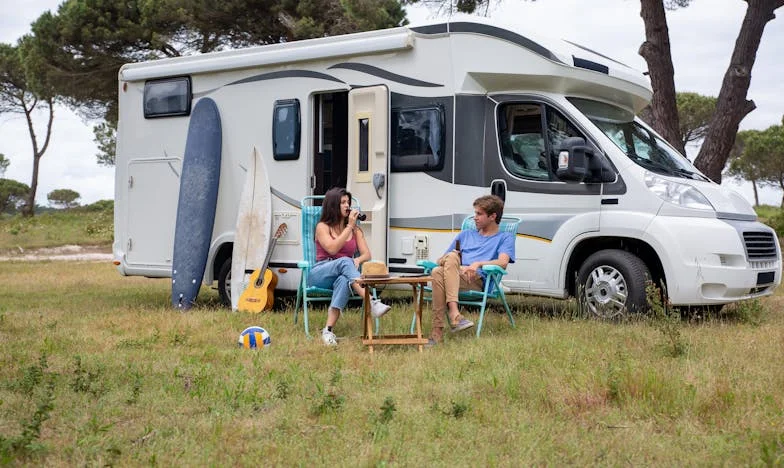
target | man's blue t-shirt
[{"x": 478, "y": 248}]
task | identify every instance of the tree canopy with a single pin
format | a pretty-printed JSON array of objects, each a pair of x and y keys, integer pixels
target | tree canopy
[
  {"x": 759, "y": 157},
  {"x": 82, "y": 46},
  {"x": 63, "y": 198},
  {"x": 22, "y": 91},
  {"x": 12, "y": 195},
  {"x": 4, "y": 163}
]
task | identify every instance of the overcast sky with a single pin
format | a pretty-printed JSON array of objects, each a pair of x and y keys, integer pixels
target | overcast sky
[{"x": 702, "y": 38}]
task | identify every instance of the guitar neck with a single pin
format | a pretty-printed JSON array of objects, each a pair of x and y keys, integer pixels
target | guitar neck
[{"x": 269, "y": 254}]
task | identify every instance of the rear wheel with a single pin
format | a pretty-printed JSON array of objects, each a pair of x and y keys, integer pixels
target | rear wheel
[
  {"x": 612, "y": 282},
  {"x": 224, "y": 282}
]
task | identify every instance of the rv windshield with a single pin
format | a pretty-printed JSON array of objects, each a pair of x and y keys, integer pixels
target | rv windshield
[{"x": 639, "y": 143}]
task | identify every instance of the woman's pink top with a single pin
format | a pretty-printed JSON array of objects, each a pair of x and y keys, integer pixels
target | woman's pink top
[{"x": 347, "y": 250}]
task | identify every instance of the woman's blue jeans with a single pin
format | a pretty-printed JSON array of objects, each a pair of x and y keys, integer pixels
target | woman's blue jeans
[{"x": 338, "y": 275}]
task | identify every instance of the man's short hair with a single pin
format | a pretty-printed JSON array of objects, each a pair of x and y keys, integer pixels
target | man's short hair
[{"x": 491, "y": 204}]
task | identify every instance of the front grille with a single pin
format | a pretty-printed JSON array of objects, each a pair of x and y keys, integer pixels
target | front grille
[{"x": 759, "y": 244}]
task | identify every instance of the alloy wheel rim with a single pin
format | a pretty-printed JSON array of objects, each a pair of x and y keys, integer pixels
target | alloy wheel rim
[{"x": 606, "y": 292}]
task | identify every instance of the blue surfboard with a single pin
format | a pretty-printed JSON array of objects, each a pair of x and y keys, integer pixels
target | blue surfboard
[{"x": 196, "y": 205}]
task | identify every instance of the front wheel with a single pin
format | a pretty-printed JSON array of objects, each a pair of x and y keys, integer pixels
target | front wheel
[
  {"x": 224, "y": 282},
  {"x": 612, "y": 282}
]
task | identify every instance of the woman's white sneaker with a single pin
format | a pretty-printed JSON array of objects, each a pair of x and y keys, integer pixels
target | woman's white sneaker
[
  {"x": 329, "y": 338},
  {"x": 378, "y": 308}
]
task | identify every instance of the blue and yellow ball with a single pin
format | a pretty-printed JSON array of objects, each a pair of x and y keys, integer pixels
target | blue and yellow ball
[{"x": 254, "y": 337}]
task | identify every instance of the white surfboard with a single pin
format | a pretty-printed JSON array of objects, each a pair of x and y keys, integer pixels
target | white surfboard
[{"x": 254, "y": 227}]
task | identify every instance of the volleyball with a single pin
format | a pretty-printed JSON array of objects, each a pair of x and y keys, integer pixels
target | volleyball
[{"x": 254, "y": 337}]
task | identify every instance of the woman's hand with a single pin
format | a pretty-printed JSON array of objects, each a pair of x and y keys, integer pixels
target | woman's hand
[
  {"x": 352, "y": 219},
  {"x": 357, "y": 262}
]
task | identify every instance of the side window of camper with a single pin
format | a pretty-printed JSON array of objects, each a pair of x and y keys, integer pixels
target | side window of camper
[
  {"x": 286, "y": 130},
  {"x": 522, "y": 141},
  {"x": 169, "y": 97},
  {"x": 418, "y": 138}
]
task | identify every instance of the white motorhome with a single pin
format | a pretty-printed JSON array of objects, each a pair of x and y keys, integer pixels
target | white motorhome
[{"x": 419, "y": 121}]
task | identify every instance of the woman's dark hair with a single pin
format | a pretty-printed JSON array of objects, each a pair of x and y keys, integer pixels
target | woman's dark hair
[{"x": 330, "y": 209}]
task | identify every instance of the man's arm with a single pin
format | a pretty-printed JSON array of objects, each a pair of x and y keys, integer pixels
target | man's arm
[
  {"x": 502, "y": 261},
  {"x": 440, "y": 261}
]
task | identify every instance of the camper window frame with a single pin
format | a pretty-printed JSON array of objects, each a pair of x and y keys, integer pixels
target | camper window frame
[
  {"x": 281, "y": 103},
  {"x": 395, "y": 159},
  {"x": 149, "y": 86}
]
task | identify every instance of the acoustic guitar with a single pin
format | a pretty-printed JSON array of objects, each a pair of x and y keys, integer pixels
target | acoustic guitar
[{"x": 259, "y": 295}]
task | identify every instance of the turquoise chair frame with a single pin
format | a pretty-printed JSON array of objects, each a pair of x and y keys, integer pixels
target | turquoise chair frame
[
  {"x": 492, "y": 289},
  {"x": 309, "y": 218}
]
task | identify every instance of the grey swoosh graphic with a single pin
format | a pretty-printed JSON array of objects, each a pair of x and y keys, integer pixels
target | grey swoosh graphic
[{"x": 387, "y": 75}]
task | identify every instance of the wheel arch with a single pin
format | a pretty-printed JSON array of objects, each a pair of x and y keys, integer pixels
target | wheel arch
[
  {"x": 221, "y": 255},
  {"x": 586, "y": 247}
]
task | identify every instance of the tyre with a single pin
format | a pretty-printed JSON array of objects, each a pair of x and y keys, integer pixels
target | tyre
[
  {"x": 611, "y": 283},
  {"x": 224, "y": 282}
]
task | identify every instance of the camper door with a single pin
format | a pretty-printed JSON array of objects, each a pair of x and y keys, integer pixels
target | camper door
[{"x": 368, "y": 162}]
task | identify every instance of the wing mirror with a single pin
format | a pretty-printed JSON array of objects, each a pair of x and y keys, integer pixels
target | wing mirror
[{"x": 573, "y": 160}]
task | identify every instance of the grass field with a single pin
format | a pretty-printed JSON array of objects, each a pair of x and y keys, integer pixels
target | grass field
[
  {"x": 96, "y": 369},
  {"x": 88, "y": 225}
]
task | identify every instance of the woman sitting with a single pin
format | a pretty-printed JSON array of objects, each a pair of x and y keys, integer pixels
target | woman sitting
[{"x": 337, "y": 239}]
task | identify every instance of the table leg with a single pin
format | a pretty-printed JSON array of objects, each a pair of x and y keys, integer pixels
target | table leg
[
  {"x": 368, "y": 325},
  {"x": 418, "y": 293}
]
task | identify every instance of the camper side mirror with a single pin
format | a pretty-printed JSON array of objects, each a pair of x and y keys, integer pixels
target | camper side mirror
[{"x": 573, "y": 160}]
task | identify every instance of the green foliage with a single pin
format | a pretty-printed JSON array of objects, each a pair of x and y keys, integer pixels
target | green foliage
[
  {"x": 89, "y": 225},
  {"x": 106, "y": 138},
  {"x": 327, "y": 399},
  {"x": 87, "y": 380},
  {"x": 64, "y": 198},
  {"x": 4, "y": 163},
  {"x": 694, "y": 113},
  {"x": 100, "y": 205},
  {"x": 751, "y": 312},
  {"x": 27, "y": 443},
  {"x": 758, "y": 156},
  {"x": 382, "y": 420},
  {"x": 12, "y": 195},
  {"x": 667, "y": 320},
  {"x": 24, "y": 91}
]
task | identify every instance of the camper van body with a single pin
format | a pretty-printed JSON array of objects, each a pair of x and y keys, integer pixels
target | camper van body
[{"x": 418, "y": 122}]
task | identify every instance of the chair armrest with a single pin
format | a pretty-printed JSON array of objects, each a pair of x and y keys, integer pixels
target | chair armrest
[
  {"x": 493, "y": 269},
  {"x": 427, "y": 265}
]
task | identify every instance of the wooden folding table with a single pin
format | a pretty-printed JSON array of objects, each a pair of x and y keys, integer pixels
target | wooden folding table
[{"x": 417, "y": 284}]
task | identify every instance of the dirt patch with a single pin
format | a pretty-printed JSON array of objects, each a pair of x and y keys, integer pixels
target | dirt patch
[{"x": 79, "y": 253}]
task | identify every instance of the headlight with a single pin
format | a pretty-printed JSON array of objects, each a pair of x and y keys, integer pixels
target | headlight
[{"x": 676, "y": 193}]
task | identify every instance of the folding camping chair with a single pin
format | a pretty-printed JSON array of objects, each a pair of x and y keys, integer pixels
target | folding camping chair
[
  {"x": 308, "y": 220},
  {"x": 492, "y": 289}
]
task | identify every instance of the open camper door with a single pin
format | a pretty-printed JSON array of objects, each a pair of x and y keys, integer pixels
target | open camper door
[{"x": 368, "y": 162}]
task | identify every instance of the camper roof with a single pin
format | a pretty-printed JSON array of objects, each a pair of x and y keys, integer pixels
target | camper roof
[{"x": 550, "y": 64}]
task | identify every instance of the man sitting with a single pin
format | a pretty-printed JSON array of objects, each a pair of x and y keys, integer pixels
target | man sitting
[{"x": 462, "y": 269}]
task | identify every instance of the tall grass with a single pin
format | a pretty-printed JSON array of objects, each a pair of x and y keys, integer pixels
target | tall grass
[
  {"x": 87, "y": 225},
  {"x": 97, "y": 369}
]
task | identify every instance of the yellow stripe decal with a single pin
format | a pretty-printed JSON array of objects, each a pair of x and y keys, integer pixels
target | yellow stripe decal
[{"x": 524, "y": 236}]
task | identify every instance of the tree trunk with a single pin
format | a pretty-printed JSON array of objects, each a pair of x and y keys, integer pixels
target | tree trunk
[
  {"x": 731, "y": 105},
  {"x": 29, "y": 208},
  {"x": 781, "y": 185},
  {"x": 656, "y": 52},
  {"x": 756, "y": 194}
]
